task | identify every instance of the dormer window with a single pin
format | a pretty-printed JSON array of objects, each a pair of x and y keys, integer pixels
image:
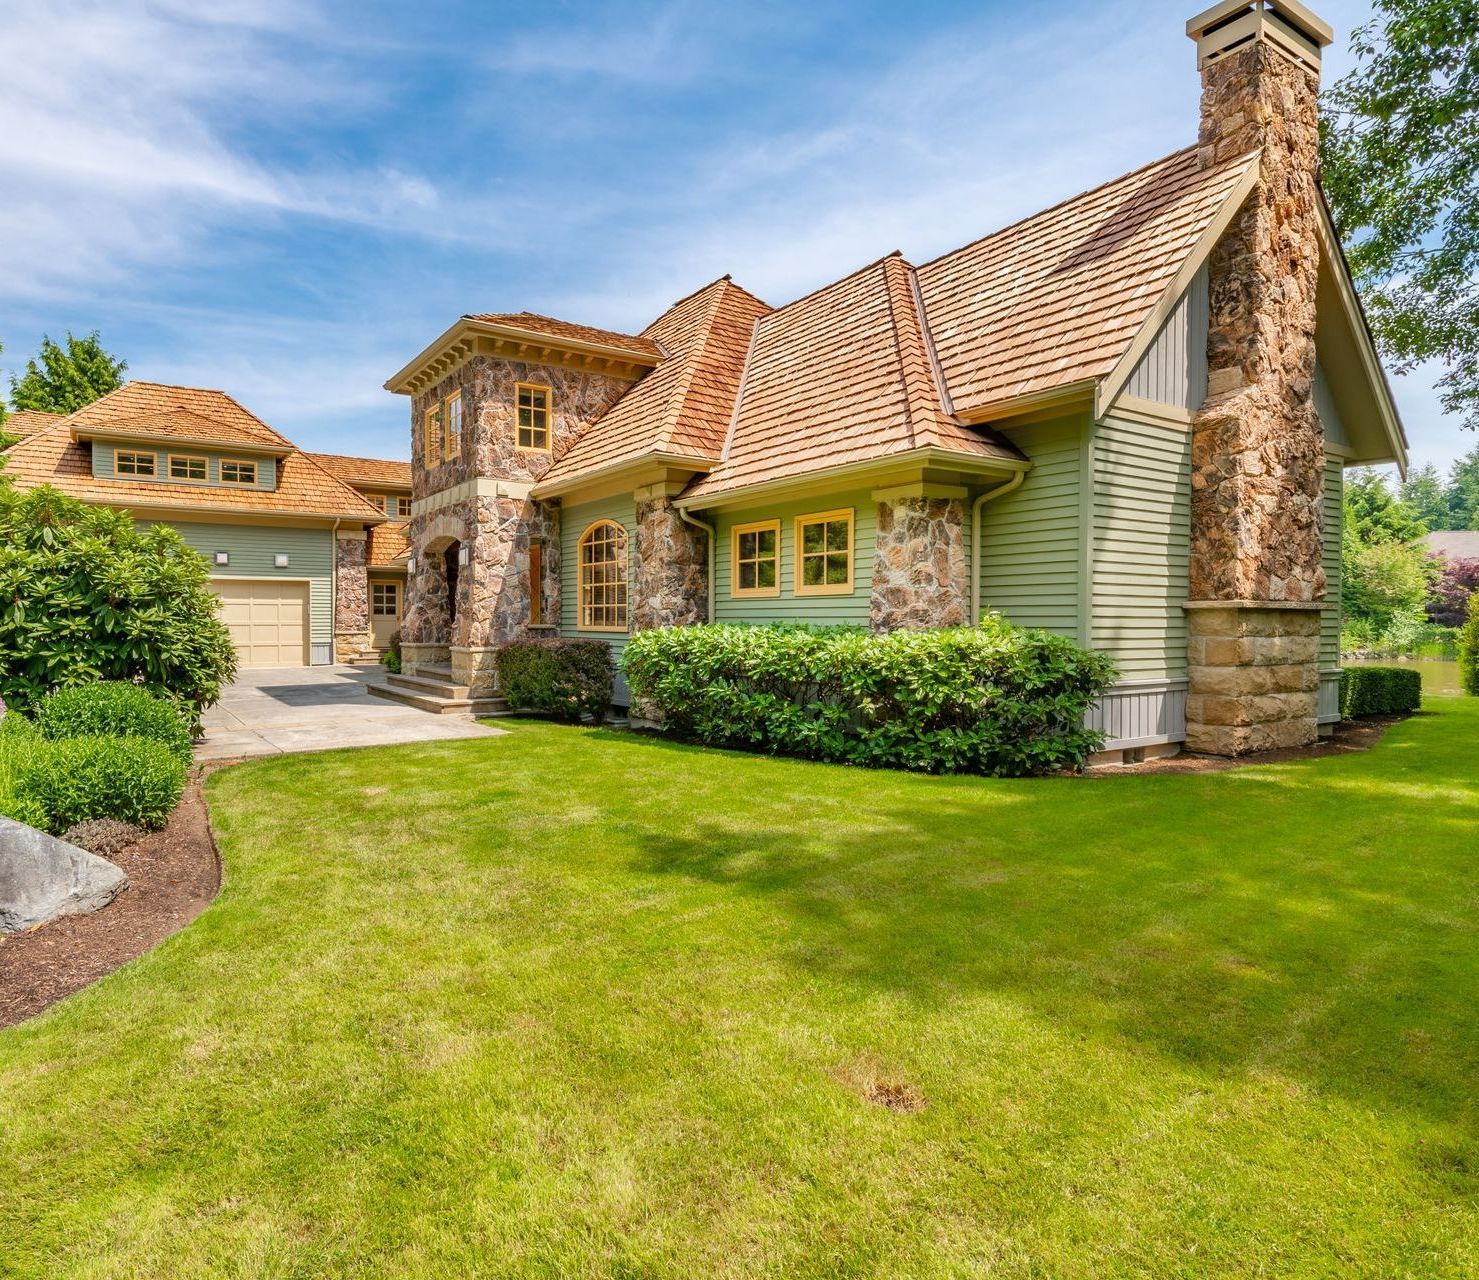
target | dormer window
[
  {"x": 186, "y": 467},
  {"x": 238, "y": 472},
  {"x": 533, "y": 406},
  {"x": 132, "y": 462}
]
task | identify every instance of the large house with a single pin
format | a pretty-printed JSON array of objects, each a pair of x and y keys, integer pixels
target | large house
[
  {"x": 307, "y": 551},
  {"x": 1124, "y": 419}
]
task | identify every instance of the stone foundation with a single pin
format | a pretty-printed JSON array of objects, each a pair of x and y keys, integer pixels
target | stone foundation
[
  {"x": 476, "y": 666},
  {"x": 670, "y": 576},
  {"x": 1254, "y": 676},
  {"x": 351, "y": 595},
  {"x": 919, "y": 576},
  {"x": 414, "y": 656}
]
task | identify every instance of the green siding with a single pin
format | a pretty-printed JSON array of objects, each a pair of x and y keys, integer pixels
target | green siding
[
  {"x": 1141, "y": 542},
  {"x": 252, "y": 548},
  {"x": 574, "y": 521},
  {"x": 788, "y": 606},
  {"x": 1031, "y": 539},
  {"x": 1330, "y": 619},
  {"x": 102, "y": 465}
]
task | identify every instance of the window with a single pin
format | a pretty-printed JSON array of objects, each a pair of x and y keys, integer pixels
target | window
[
  {"x": 452, "y": 426},
  {"x": 536, "y": 584},
  {"x": 238, "y": 472},
  {"x": 431, "y": 436},
  {"x": 399, "y": 507},
  {"x": 755, "y": 550},
  {"x": 183, "y": 468},
  {"x": 127, "y": 462},
  {"x": 603, "y": 577},
  {"x": 533, "y": 416},
  {"x": 824, "y": 554},
  {"x": 385, "y": 599}
]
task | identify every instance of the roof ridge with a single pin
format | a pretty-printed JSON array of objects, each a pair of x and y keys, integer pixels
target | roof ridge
[
  {"x": 867, "y": 266},
  {"x": 678, "y": 302},
  {"x": 739, "y": 391},
  {"x": 692, "y": 358},
  {"x": 920, "y": 408}
]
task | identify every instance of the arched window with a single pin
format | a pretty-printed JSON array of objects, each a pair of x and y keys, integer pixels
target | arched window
[{"x": 603, "y": 577}]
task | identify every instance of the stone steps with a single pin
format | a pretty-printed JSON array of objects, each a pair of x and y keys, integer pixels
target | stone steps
[
  {"x": 433, "y": 690},
  {"x": 367, "y": 658}
]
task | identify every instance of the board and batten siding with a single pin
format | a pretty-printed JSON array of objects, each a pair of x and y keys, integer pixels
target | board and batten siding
[
  {"x": 102, "y": 465},
  {"x": 252, "y": 551},
  {"x": 1032, "y": 538},
  {"x": 849, "y": 610},
  {"x": 1173, "y": 369}
]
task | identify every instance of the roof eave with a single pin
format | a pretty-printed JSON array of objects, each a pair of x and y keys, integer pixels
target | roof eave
[
  {"x": 556, "y": 487},
  {"x": 82, "y": 433}
]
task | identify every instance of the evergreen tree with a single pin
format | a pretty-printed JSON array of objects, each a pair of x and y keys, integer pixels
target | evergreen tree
[{"x": 65, "y": 379}]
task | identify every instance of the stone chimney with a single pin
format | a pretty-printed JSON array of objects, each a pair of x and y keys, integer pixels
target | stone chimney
[{"x": 1257, "y": 586}]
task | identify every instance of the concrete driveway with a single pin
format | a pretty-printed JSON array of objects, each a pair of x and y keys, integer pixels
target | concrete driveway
[{"x": 274, "y": 710}]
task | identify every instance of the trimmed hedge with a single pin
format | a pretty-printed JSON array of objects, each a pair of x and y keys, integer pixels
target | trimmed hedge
[
  {"x": 1468, "y": 649},
  {"x": 994, "y": 699},
  {"x": 55, "y": 784},
  {"x": 571, "y": 680},
  {"x": 1379, "y": 691},
  {"x": 113, "y": 708}
]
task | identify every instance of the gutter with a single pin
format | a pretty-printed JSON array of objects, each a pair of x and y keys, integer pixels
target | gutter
[
  {"x": 1000, "y": 491},
  {"x": 713, "y": 536}
]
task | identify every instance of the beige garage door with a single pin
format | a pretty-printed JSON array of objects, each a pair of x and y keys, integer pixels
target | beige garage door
[{"x": 268, "y": 621}]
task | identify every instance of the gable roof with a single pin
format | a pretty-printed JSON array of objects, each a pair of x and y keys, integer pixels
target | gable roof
[
  {"x": 838, "y": 377},
  {"x": 682, "y": 408},
  {"x": 1058, "y": 299},
  {"x": 25, "y": 422},
  {"x": 169, "y": 410},
  {"x": 373, "y": 473}
]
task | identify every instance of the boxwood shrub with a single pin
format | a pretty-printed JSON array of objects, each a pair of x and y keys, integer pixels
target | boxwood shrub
[
  {"x": 1379, "y": 691},
  {"x": 116, "y": 708},
  {"x": 1468, "y": 649},
  {"x": 993, "y": 699},
  {"x": 571, "y": 680},
  {"x": 58, "y": 783}
]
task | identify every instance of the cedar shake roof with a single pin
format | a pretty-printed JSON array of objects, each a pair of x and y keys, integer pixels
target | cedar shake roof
[
  {"x": 683, "y": 406},
  {"x": 530, "y": 322},
  {"x": 366, "y": 473},
  {"x": 388, "y": 544},
  {"x": 1058, "y": 298},
  {"x": 51, "y": 456},
  {"x": 841, "y": 376},
  {"x": 26, "y": 422}
]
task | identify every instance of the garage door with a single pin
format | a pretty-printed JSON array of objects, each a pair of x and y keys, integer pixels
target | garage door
[{"x": 268, "y": 621}]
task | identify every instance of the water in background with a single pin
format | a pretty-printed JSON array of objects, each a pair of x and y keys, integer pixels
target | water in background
[{"x": 1440, "y": 675}]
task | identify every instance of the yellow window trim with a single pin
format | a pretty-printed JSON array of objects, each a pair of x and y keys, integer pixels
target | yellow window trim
[
  {"x": 825, "y": 589},
  {"x": 431, "y": 436},
  {"x": 187, "y": 457},
  {"x": 451, "y": 446},
  {"x": 580, "y": 578},
  {"x": 549, "y": 417},
  {"x": 151, "y": 474},
  {"x": 240, "y": 462},
  {"x": 753, "y": 593}
]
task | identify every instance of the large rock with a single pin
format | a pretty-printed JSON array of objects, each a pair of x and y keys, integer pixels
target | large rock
[{"x": 42, "y": 877}]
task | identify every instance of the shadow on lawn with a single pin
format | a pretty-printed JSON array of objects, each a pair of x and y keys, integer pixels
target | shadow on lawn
[{"x": 1299, "y": 919}]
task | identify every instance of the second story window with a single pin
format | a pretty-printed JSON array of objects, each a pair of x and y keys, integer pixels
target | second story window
[
  {"x": 431, "y": 436},
  {"x": 130, "y": 462},
  {"x": 186, "y": 468},
  {"x": 533, "y": 408},
  {"x": 398, "y": 507},
  {"x": 451, "y": 426},
  {"x": 234, "y": 471}
]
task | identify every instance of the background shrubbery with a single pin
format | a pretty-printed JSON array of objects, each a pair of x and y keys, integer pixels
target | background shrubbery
[
  {"x": 569, "y": 679},
  {"x": 1379, "y": 691},
  {"x": 1468, "y": 649},
  {"x": 993, "y": 699}
]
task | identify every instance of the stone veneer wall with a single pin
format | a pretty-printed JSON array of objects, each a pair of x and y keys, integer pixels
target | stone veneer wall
[
  {"x": 351, "y": 597},
  {"x": 1257, "y": 446},
  {"x": 919, "y": 570},
  {"x": 670, "y": 576}
]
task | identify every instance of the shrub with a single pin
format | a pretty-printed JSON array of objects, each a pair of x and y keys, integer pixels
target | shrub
[
  {"x": 993, "y": 699},
  {"x": 89, "y": 595},
  {"x": 106, "y": 837},
  {"x": 70, "y": 780},
  {"x": 1468, "y": 649},
  {"x": 392, "y": 659},
  {"x": 113, "y": 708},
  {"x": 569, "y": 679},
  {"x": 1457, "y": 580},
  {"x": 1379, "y": 691}
]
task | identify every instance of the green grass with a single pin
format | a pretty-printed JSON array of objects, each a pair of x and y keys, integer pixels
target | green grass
[{"x": 579, "y": 1003}]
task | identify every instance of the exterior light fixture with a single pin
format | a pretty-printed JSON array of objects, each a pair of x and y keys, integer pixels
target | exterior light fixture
[
  {"x": 280, "y": 561},
  {"x": 410, "y": 564},
  {"x": 223, "y": 557},
  {"x": 463, "y": 555}
]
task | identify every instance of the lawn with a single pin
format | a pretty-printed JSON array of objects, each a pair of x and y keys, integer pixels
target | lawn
[{"x": 579, "y": 1003}]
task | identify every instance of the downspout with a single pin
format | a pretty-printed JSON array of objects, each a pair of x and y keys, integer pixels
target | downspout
[
  {"x": 708, "y": 529},
  {"x": 1001, "y": 490}
]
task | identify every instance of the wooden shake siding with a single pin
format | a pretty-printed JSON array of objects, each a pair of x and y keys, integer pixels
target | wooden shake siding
[
  {"x": 1031, "y": 539},
  {"x": 1140, "y": 544},
  {"x": 788, "y": 607},
  {"x": 574, "y": 521}
]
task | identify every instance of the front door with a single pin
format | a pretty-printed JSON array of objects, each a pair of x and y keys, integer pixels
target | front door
[{"x": 385, "y": 611}]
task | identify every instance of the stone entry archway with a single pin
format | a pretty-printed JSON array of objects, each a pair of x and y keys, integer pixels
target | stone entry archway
[{"x": 451, "y": 562}]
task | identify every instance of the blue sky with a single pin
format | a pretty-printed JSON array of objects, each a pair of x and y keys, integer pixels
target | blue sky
[{"x": 288, "y": 199}]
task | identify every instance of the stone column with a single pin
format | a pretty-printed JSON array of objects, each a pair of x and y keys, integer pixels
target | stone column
[
  {"x": 351, "y": 594},
  {"x": 1257, "y": 446},
  {"x": 919, "y": 573},
  {"x": 670, "y": 574}
]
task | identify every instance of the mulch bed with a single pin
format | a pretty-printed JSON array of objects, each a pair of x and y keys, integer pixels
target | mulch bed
[
  {"x": 1349, "y": 736},
  {"x": 173, "y": 875}
]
